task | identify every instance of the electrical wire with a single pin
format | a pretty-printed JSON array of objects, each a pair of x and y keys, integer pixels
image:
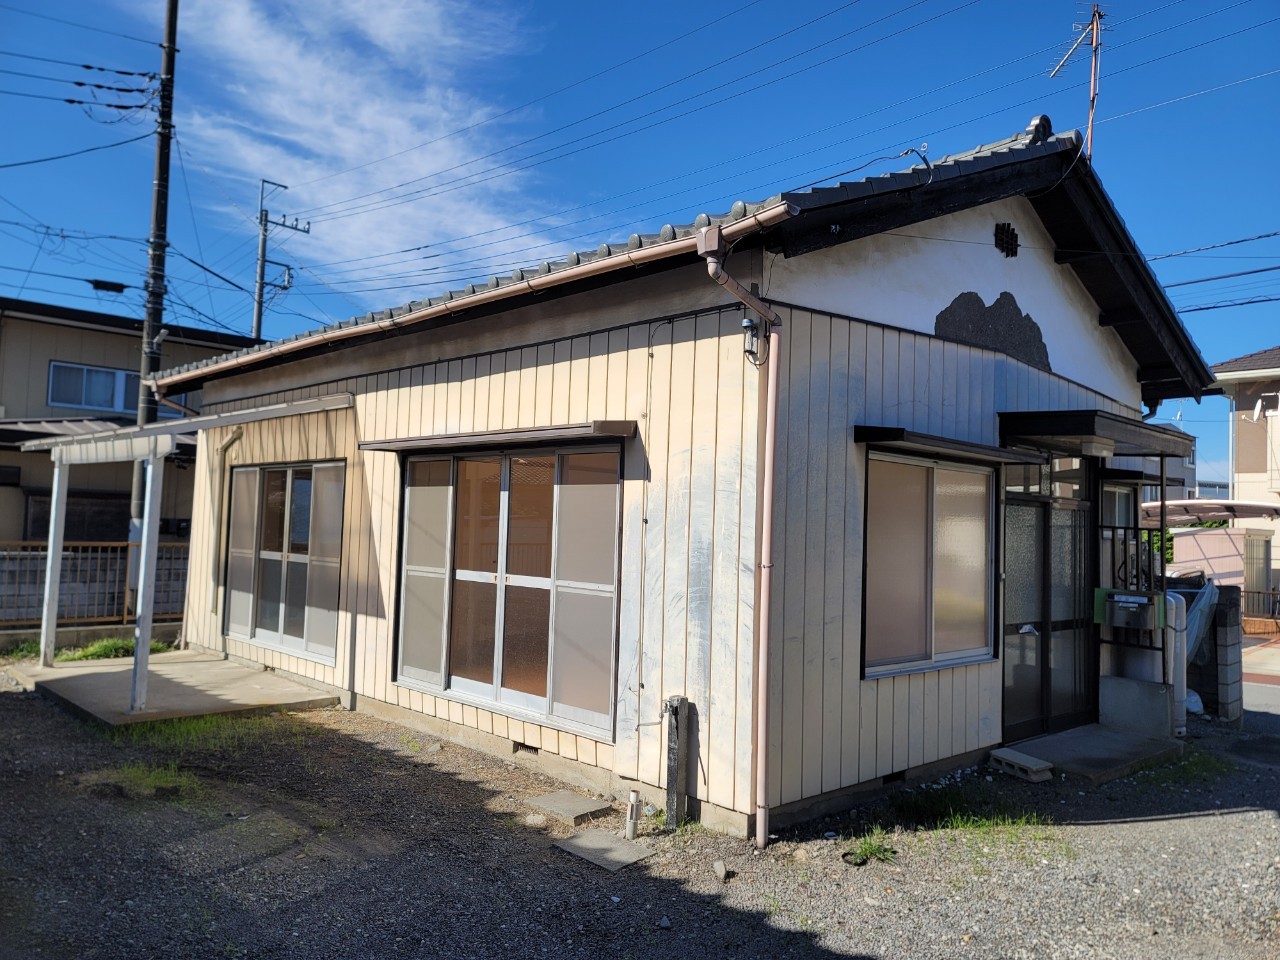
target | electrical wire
[
  {"x": 75, "y": 153},
  {"x": 82, "y": 66},
  {"x": 84, "y": 103},
  {"x": 546, "y": 96},
  {"x": 74, "y": 83},
  {"x": 82, "y": 26},
  {"x": 1223, "y": 276},
  {"x": 1215, "y": 246},
  {"x": 1227, "y": 303}
]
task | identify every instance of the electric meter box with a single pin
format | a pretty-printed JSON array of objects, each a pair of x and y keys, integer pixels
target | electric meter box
[{"x": 1129, "y": 609}]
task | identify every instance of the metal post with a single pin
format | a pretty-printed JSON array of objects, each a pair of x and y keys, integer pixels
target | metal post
[
  {"x": 146, "y": 583},
  {"x": 677, "y": 759},
  {"x": 150, "y": 361},
  {"x": 53, "y": 563}
]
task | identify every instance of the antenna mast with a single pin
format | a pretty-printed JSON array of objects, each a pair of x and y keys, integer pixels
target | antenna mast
[{"x": 1093, "y": 32}]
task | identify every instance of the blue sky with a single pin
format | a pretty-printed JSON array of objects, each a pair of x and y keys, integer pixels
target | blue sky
[{"x": 493, "y": 134}]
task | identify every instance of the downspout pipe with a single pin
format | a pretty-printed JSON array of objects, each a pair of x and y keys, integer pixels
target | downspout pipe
[{"x": 712, "y": 246}]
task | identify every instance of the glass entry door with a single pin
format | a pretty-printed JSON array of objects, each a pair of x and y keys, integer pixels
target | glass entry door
[{"x": 1050, "y": 657}]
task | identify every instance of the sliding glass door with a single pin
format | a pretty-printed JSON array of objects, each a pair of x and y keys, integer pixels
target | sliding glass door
[{"x": 517, "y": 570}]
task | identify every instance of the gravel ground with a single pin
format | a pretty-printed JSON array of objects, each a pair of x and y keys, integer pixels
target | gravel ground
[{"x": 334, "y": 834}]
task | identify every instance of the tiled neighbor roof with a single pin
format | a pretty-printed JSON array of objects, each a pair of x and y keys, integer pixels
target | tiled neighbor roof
[
  {"x": 1268, "y": 359},
  {"x": 1036, "y": 140}
]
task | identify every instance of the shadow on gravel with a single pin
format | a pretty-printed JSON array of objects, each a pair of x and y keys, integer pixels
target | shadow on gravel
[{"x": 291, "y": 839}]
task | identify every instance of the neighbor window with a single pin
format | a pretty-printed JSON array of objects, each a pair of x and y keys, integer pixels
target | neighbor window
[
  {"x": 99, "y": 388},
  {"x": 509, "y": 580},
  {"x": 284, "y": 549},
  {"x": 928, "y": 563}
]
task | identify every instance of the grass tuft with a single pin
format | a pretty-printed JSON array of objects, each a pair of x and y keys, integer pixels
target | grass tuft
[
  {"x": 216, "y": 733},
  {"x": 109, "y": 648},
  {"x": 143, "y": 779},
  {"x": 870, "y": 846}
]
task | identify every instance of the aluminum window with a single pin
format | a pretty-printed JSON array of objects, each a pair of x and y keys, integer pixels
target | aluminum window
[
  {"x": 284, "y": 550},
  {"x": 929, "y": 564},
  {"x": 87, "y": 387},
  {"x": 509, "y": 581}
]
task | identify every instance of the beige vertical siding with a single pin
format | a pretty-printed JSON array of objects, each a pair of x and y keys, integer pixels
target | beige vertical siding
[
  {"x": 686, "y": 595},
  {"x": 828, "y": 728}
]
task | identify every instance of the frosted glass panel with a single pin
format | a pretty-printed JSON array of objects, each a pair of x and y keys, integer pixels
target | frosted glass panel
[
  {"x": 1023, "y": 544},
  {"x": 240, "y": 551},
  {"x": 1021, "y": 678},
  {"x": 962, "y": 554},
  {"x": 582, "y": 683},
  {"x": 422, "y": 626},
  {"x": 531, "y": 503},
  {"x": 479, "y": 500},
  {"x": 1070, "y": 599},
  {"x": 588, "y": 520},
  {"x": 471, "y": 630},
  {"x": 322, "y": 606},
  {"x": 326, "y": 513},
  {"x": 898, "y": 537},
  {"x": 427, "y": 514},
  {"x": 524, "y": 640}
]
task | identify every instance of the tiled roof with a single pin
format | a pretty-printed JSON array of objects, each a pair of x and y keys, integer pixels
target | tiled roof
[
  {"x": 1038, "y": 139},
  {"x": 1268, "y": 359}
]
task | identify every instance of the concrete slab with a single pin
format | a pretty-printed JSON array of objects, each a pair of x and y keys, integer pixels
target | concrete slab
[
  {"x": 1260, "y": 661},
  {"x": 604, "y": 849},
  {"x": 1097, "y": 754},
  {"x": 571, "y": 808},
  {"x": 180, "y": 683}
]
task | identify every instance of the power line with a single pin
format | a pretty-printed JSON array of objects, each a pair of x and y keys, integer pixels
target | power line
[
  {"x": 103, "y": 285},
  {"x": 82, "y": 26},
  {"x": 642, "y": 96},
  {"x": 1215, "y": 246},
  {"x": 1222, "y": 276},
  {"x": 83, "y": 103},
  {"x": 545, "y": 96},
  {"x": 75, "y": 83},
  {"x": 510, "y": 166},
  {"x": 1228, "y": 303},
  {"x": 506, "y": 169},
  {"x": 76, "y": 153},
  {"x": 82, "y": 66}
]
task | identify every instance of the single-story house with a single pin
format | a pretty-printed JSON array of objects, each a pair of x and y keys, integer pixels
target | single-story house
[{"x": 841, "y": 467}]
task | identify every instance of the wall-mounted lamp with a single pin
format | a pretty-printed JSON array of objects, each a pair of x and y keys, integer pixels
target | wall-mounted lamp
[{"x": 751, "y": 335}]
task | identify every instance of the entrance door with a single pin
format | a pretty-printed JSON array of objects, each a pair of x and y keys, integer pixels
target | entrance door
[{"x": 1050, "y": 661}]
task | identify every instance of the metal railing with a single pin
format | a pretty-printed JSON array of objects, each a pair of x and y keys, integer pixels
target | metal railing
[
  {"x": 1260, "y": 603},
  {"x": 95, "y": 585}
]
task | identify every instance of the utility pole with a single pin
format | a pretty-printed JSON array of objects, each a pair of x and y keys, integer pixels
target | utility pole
[
  {"x": 264, "y": 223},
  {"x": 159, "y": 243},
  {"x": 1093, "y": 32}
]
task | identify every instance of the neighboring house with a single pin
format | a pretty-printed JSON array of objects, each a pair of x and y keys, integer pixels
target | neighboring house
[
  {"x": 65, "y": 371},
  {"x": 1252, "y": 384},
  {"x": 535, "y": 509}
]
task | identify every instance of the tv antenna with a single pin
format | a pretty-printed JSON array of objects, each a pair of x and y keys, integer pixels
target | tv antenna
[{"x": 1092, "y": 31}]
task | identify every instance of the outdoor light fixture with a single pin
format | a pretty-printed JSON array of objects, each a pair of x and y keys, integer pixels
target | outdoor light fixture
[{"x": 751, "y": 335}]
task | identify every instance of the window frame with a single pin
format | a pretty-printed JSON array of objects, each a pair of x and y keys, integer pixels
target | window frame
[
  {"x": 493, "y": 696},
  {"x": 120, "y": 392},
  {"x": 276, "y": 640},
  {"x": 935, "y": 661}
]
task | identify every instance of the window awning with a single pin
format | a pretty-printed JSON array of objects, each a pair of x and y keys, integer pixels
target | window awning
[
  {"x": 1092, "y": 433},
  {"x": 899, "y": 438},
  {"x": 577, "y": 432}
]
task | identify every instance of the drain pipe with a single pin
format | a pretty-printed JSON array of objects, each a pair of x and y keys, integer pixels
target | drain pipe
[{"x": 712, "y": 247}]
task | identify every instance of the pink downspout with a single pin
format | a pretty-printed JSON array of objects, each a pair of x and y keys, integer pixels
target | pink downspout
[{"x": 711, "y": 246}]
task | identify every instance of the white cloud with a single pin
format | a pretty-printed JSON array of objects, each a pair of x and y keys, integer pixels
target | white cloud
[{"x": 297, "y": 92}]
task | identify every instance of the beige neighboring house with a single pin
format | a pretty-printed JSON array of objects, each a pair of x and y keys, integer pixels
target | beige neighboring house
[
  {"x": 1252, "y": 384},
  {"x": 68, "y": 371}
]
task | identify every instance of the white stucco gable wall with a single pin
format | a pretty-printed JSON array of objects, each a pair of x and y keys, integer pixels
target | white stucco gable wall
[{"x": 906, "y": 277}]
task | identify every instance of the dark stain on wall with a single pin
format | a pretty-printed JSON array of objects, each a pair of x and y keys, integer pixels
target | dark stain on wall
[{"x": 1002, "y": 326}]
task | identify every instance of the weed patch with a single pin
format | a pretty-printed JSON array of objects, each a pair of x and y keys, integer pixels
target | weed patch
[
  {"x": 216, "y": 734},
  {"x": 1196, "y": 766},
  {"x": 109, "y": 648},
  {"x": 146, "y": 780},
  {"x": 870, "y": 846}
]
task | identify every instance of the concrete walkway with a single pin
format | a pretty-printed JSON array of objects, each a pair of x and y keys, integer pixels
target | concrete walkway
[
  {"x": 1261, "y": 660},
  {"x": 180, "y": 683},
  {"x": 1098, "y": 754}
]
